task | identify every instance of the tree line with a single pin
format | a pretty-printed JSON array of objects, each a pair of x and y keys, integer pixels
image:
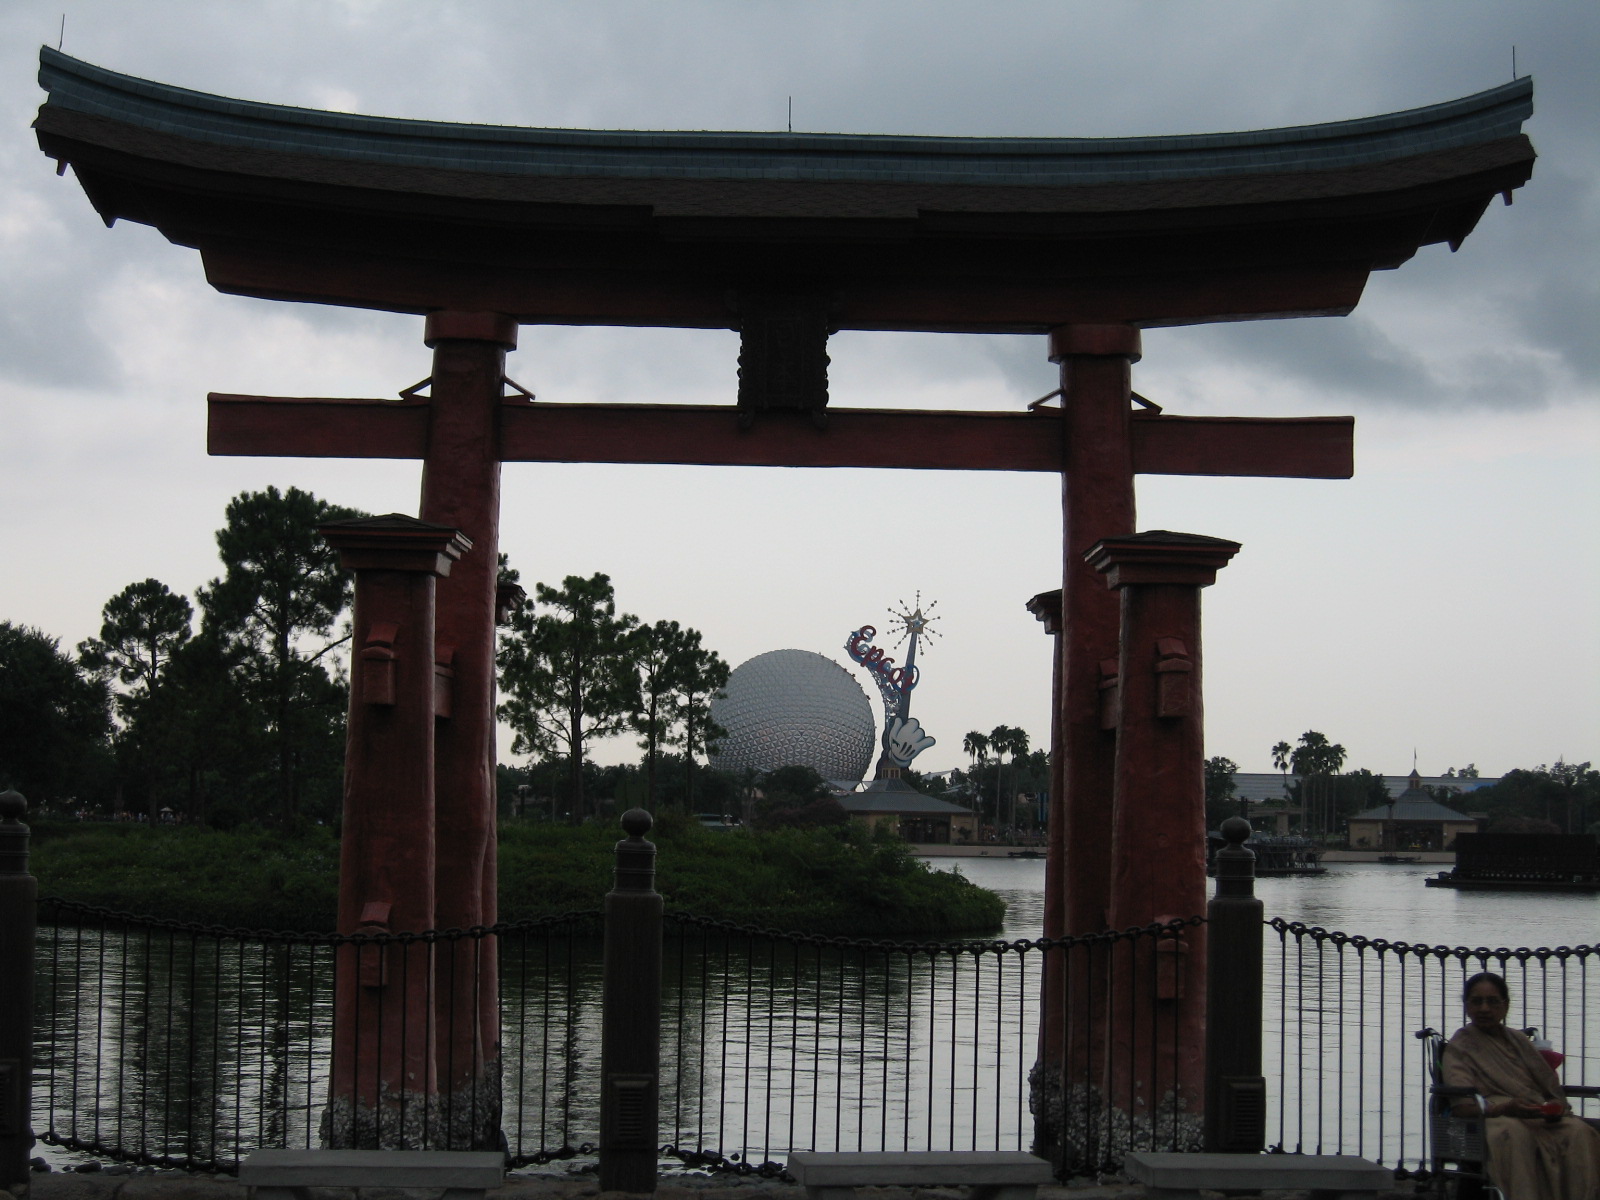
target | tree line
[
  {"x": 573, "y": 670},
  {"x": 241, "y": 716},
  {"x": 1550, "y": 798},
  {"x": 994, "y": 787}
]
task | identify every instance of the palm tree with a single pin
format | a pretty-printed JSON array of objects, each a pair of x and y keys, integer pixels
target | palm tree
[
  {"x": 1280, "y": 759},
  {"x": 999, "y": 742},
  {"x": 977, "y": 749},
  {"x": 1016, "y": 744}
]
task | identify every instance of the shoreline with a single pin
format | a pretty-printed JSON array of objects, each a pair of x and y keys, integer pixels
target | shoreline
[
  {"x": 931, "y": 850},
  {"x": 543, "y": 1185}
]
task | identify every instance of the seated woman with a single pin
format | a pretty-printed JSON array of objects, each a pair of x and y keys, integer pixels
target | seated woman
[{"x": 1537, "y": 1149}]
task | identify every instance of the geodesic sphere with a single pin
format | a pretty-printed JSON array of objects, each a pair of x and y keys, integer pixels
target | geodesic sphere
[{"x": 793, "y": 707}]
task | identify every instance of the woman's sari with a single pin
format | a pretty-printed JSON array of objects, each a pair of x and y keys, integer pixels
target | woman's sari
[{"x": 1529, "y": 1159}]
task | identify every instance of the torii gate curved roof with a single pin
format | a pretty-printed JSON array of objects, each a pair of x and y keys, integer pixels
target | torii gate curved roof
[{"x": 657, "y": 228}]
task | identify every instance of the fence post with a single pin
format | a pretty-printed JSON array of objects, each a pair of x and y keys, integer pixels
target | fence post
[
  {"x": 18, "y": 898},
  {"x": 1236, "y": 1093},
  {"x": 630, "y": 1037}
]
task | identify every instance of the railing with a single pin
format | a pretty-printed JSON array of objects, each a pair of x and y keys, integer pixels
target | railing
[
  {"x": 1343, "y": 1068},
  {"x": 178, "y": 1045},
  {"x": 781, "y": 1042},
  {"x": 181, "y": 1045}
]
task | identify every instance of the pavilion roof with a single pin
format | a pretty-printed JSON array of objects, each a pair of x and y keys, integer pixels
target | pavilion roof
[
  {"x": 1411, "y": 807},
  {"x": 655, "y": 227}
]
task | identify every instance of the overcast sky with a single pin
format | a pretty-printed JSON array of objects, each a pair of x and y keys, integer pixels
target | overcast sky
[{"x": 1442, "y": 601}]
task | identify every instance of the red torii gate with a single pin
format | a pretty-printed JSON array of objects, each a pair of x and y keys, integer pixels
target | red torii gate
[{"x": 785, "y": 237}]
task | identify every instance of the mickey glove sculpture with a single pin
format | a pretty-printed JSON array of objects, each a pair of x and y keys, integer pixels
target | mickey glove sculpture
[{"x": 905, "y": 741}]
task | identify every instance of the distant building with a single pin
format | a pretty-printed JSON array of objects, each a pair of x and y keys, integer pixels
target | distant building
[
  {"x": 914, "y": 816},
  {"x": 1414, "y": 821},
  {"x": 1270, "y": 807}
]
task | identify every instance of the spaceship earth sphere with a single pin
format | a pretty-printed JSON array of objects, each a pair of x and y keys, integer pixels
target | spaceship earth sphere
[{"x": 794, "y": 707}]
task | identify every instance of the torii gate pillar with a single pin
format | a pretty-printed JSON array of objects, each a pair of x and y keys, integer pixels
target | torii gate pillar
[
  {"x": 1096, "y": 503},
  {"x": 461, "y": 489},
  {"x": 1156, "y": 1050},
  {"x": 384, "y": 1088}
]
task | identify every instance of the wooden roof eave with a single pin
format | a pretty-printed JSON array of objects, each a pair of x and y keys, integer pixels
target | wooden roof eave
[
  {"x": 276, "y": 225},
  {"x": 1022, "y": 275}
]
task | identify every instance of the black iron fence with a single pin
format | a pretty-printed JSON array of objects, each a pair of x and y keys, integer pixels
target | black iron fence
[
  {"x": 780, "y": 1042},
  {"x": 179, "y": 1045},
  {"x": 182, "y": 1045}
]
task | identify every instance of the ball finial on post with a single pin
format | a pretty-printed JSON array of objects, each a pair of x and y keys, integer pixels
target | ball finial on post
[
  {"x": 13, "y": 833},
  {"x": 1235, "y": 830}
]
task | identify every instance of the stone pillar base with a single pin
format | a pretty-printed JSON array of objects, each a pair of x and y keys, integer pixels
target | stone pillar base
[
  {"x": 467, "y": 1118},
  {"x": 1079, "y": 1132}
]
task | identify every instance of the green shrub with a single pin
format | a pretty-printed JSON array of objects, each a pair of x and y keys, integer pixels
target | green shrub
[
  {"x": 833, "y": 880},
  {"x": 246, "y": 878}
]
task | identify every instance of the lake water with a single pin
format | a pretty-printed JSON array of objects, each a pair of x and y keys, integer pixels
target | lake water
[{"x": 1375, "y": 900}]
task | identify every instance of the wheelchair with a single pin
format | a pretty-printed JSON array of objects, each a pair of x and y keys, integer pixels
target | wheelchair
[{"x": 1457, "y": 1145}]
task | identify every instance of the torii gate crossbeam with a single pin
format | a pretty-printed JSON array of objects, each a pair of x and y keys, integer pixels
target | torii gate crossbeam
[{"x": 709, "y": 435}]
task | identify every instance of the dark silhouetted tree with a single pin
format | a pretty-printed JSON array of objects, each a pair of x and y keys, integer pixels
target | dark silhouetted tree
[
  {"x": 1003, "y": 740},
  {"x": 567, "y": 674},
  {"x": 142, "y": 628},
  {"x": 1316, "y": 761},
  {"x": 1220, "y": 786},
  {"x": 203, "y": 737},
  {"x": 54, "y": 718},
  {"x": 1562, "y": 798},
  {"x": 660, "y": 654},
  {"x": 793, "y": 785},
  {"x": 701, "y": 676},
  {"x": 274, "y": 611}
]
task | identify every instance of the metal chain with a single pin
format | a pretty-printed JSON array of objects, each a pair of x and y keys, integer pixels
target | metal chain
[{"x": 1460, "y": 953}]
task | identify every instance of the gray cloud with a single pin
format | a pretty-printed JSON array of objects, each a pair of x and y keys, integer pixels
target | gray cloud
[
  {"x": 1563, "y": 316},
  {"x": 49, "y": 339}
]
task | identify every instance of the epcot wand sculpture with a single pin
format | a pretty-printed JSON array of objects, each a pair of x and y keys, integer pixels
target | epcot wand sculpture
[{"x": 903, "y": 738}]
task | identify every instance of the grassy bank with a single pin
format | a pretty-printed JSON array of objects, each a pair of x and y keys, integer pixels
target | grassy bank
[
  {"x": 246, "y": 878},
  {"x": 835, "y": 881}
]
